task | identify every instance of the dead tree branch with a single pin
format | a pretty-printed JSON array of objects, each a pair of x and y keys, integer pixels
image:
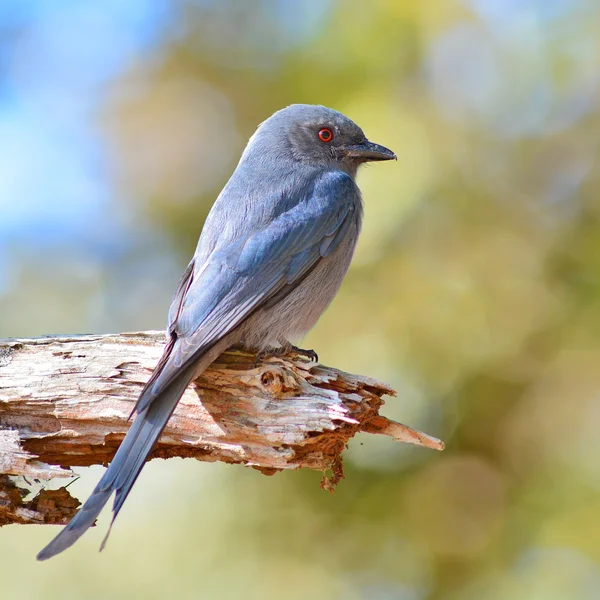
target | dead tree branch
[{"x": 64, "y": 402}]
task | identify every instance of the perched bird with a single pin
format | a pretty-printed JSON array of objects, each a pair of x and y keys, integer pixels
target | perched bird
[{"x": 271, "y": 257}]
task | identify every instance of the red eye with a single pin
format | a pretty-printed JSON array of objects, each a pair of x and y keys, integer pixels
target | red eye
[{"x": 325, "y": 135}]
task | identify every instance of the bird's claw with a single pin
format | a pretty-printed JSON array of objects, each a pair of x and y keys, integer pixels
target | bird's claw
[
  {"x": 280, "y": 351},
  {"x": 310, "y": 354}
]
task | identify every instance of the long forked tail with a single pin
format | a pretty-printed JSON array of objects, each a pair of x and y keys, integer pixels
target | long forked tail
[{"x": 125, "y": 466}]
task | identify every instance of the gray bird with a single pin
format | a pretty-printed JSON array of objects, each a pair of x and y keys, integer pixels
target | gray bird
[{"x": 271, "y": 257}]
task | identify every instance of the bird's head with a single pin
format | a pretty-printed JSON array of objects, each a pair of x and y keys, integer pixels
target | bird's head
[{"x": 319, "y": 136}]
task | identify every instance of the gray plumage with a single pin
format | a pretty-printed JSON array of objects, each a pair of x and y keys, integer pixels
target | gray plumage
[{"x": 272, "y": 255}]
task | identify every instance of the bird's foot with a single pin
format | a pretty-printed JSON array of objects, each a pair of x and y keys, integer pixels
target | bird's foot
[
  {"x": 310, "y": 354},
  {"x": 284, "y": 349}
]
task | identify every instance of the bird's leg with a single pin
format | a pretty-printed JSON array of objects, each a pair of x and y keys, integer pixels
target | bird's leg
[
  {"x": 284, "y": 348},
  {"x": 310, "y": 354}
]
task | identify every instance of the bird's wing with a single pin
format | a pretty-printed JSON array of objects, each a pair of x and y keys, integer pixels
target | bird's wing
[{"x": 216, "y": 297}]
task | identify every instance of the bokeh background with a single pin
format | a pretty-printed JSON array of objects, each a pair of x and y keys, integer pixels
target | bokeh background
[{"x": 475, "y": 289}]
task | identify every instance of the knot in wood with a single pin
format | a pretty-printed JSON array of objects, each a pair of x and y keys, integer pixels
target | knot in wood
[{"x": 272, "y": 381}]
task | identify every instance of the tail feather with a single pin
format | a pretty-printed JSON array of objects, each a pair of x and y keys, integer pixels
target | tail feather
[{"x": 125, "y": 466}]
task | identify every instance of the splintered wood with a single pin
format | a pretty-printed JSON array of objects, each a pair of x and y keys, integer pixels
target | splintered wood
[{"x": 65, "y": 402}]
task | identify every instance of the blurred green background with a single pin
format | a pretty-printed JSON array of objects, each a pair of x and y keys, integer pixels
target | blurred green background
[{"x": 474, "y": 291}]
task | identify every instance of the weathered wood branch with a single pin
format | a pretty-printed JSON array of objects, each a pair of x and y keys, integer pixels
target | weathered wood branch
[{"x": 65, "y": 401}]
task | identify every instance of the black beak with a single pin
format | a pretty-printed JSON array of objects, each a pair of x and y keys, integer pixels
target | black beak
[{"x": 368, "y": 151}]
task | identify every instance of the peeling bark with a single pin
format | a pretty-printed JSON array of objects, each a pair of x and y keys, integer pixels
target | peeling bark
[{"x": 65, "y": 401}]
